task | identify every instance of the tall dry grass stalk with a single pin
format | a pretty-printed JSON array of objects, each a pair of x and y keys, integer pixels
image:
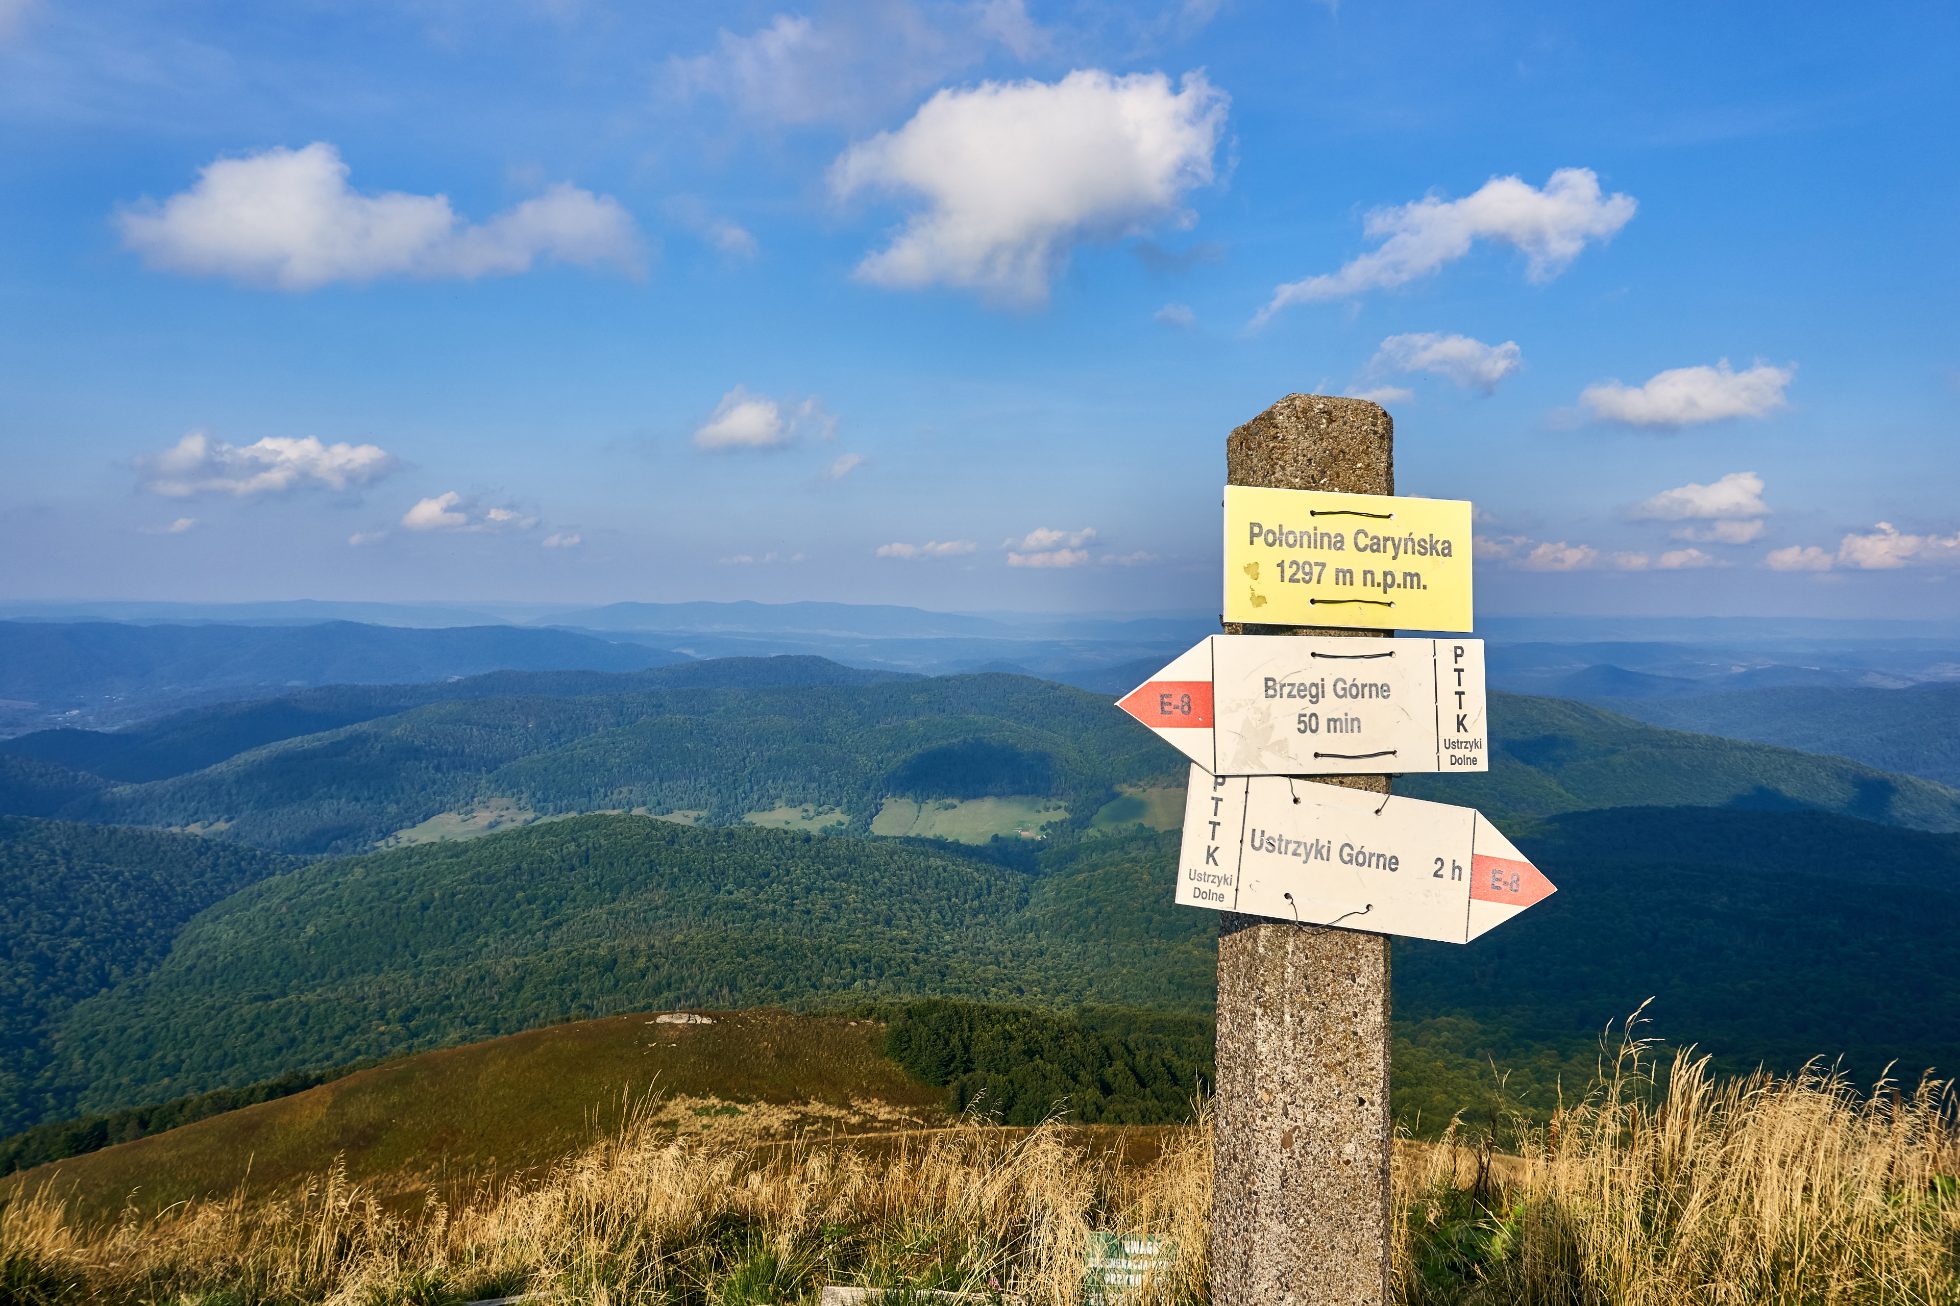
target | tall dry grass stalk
[
  {"x": 645, "y": 1217},
  {"x": 1675, "y": 1188},
  {"x": 1680, "y": 1187}
]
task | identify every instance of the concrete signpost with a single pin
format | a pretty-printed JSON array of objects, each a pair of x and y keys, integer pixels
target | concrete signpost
[
  {"x": 1290, "y": 705},
  {"x": 1312, "y": 877}
]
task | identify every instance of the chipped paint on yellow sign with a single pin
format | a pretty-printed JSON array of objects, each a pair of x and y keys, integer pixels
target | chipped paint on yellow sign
[{"x": 1370, "y": 561}]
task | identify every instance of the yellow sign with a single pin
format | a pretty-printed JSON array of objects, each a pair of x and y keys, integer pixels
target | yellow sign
[{"x": 1372, "y": 561}]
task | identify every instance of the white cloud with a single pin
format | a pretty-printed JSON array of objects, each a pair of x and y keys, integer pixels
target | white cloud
[
  {"x": 1046, "y": 537},
  {"x": 1136, "y": 559},
  {"x": 1886, "y": 548},
  {"x": 288, "y": 219},
  {"x": 1799, "y": 557},
  {"x": 1737, "y": 495},
  {"x": 1686, "y": 559},
  {"x": 1559, "y": 556},
  {"x": 1549, "y": 226},
  {"x": 198, "y": 464},
  {"x": 930, "y": 549},
  {"x": 359, "y": 538},
  {"x": 1177, "y": 315},
  {"x": 1049, "y": 558},
  {"x": 563, "y": 540},
  {"x": 1384, "y": 394},
  {"x": 1690, "y": 396},
  {"x": 1014, "y": 175},
  {"x": 743, "y": 420},
  {"x": 181, "y": 526},
  {"x": 843, "y": 466},
  {"x": 451, "y": 511},
  {"x": 729, "y": 237},
  {"x": 1470, "y": 363},
  {"x": 852, "y": 63}
]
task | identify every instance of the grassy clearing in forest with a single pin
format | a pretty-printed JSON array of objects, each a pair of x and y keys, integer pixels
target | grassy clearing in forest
[
  {"x": 966, "y": 820},
  {"x": 806, "y": 817},
  {"x": 1158, "y": 808},
  {"x": 1652, "y": 1189}
]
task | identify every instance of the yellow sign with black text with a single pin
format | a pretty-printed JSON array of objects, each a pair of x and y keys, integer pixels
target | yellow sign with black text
[{"x": 1368, "y": 561}]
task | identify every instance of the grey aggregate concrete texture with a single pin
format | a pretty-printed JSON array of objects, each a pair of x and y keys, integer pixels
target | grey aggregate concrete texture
[{"x": 1300, "y": 1211}]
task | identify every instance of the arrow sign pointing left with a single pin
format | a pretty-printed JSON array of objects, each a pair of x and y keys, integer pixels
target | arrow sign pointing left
[
  {"x": 1324, "y": 855},
  {"x": 1319, "y": 705}
]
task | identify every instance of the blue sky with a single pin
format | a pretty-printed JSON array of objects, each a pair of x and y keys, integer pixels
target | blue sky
[{"x": 953, "y": 304}]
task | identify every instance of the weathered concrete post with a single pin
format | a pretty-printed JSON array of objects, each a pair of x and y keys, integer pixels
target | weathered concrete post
[{"x": 1301, "y": 1176}]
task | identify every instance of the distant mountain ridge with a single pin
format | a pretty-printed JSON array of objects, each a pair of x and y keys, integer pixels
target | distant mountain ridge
[{"x": 115, "y": 672}]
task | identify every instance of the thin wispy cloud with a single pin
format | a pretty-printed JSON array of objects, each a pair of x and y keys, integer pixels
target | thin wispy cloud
[
  {"x": 199, "y": 465},
  {"x": 930, "y": 549},
  {"x": 847, "y": 65},
  {"x": 1009, "y": 177},
  {"x": 1465, "y": 360},
  {"x": 1550, "y": 226},
  {"x": 288, "y": 219}
]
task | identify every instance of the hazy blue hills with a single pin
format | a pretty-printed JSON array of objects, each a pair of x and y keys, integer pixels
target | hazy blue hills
[
  {"x": 115, "y": 672},
  {"x": 1915, "y": 730}
]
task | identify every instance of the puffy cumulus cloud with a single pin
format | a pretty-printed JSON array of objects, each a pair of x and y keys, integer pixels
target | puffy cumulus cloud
[
  {"x": 1558, "y": 556},
  {"x": 1550, "y": 226},
  {"x": 745, "y": 420},
  {"x": 198, "y": 464},
  {"x": 1176, "y": 315},
  {"x": 451, "y": 511},
  {"x": 361, "y": 538},
  {"x": 729, "y": 237},
  {"x": 563, "y": 540},
  {"x": 843, "y": 465},
  {"x": 930, "y": 549},
  {"x": 288, "y": 219},
  {"x": 1465, "y": 360},
  {"x": 1384, "y": 394},
  {"x": 851, "y": 62},
  {"x": 1686, "y": 560},
  {"x": 1691, "y": 396},
  {"x": 1014, "y": 175},
  {"x": 1799, "y": 557},
  {"x": 1726, "y": 511},
  {"x": 1885, "y": 547}
]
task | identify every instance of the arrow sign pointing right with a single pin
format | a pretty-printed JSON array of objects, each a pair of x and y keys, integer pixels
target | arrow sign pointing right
[
  {"x": 1319, "y": 705},
  {"x": 1323, "y": 855}
]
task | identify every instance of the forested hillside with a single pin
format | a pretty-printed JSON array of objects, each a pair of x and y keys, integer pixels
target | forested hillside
[
  {"x": 83, "y": 908},
  {"x": 1763, "y": 935},
  {"x": 340, "y": 770}
]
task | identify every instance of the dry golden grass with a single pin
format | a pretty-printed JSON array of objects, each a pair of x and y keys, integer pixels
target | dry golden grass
[{"x": 1678, "y": 1189}]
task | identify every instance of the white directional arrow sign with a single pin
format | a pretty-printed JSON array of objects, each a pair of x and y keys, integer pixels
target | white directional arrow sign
[
  {"x": 1307, "y": 705},
  {"x": 1324, "y": 855}
]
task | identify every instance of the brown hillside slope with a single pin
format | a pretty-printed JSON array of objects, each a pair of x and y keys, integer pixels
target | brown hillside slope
[{"x": 458, "y": 1116}]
